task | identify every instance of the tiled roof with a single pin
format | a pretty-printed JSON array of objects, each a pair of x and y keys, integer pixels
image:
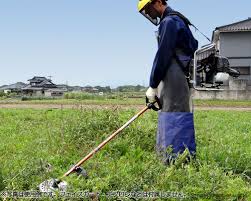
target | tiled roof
[
  {"x": 244, "y": 25},
  {"x": 38, "y": 79},
  {"x": 45, "y": 82}
]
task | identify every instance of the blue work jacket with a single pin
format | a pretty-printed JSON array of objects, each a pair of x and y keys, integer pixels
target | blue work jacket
[{"x": 173, "y": 34}]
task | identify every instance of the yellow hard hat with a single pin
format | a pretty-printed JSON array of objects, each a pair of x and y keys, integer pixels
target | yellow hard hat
[{"x": 142, "y": 4}]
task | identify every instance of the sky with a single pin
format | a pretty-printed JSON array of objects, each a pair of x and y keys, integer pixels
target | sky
[{"x": 106, "y": 43}]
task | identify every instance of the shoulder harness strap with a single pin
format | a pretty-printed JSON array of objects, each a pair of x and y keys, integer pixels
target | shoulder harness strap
[
  {"x": 184, "y": 68},
  {"x": 186, "y": 21}
]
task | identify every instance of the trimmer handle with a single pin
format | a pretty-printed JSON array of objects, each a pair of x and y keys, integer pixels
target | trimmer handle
[{"x": 153, "y": 104}]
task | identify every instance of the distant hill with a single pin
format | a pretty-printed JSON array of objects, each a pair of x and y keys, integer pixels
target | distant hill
[{"x": 18, "y": 85}]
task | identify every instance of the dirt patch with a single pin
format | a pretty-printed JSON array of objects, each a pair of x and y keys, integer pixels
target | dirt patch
[{"x": 83, "y": 106}]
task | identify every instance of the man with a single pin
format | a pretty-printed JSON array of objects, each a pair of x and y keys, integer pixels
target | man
[{"x": 168, "y": 80}]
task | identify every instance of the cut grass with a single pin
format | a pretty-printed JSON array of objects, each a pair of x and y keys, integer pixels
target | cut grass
[{"x": 32, "y": 139}]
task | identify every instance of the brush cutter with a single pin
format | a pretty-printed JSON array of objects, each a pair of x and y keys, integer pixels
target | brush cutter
[{"x": 58, "y": 184}]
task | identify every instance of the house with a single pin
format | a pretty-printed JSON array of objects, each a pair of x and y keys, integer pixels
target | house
[
  {"x": 16, "y": 88},
  {"x": 38, "y": 86},
  {"x": 55, "y": 92},
  {"x": 234, "y": 42},
  {"x": 76, "y": 89},
  {"x": 90, "y": 89},
  {"x": 96, "y": 89},
  {"x": 64, "y": 87},
  {"x": 41, "y": 82}
]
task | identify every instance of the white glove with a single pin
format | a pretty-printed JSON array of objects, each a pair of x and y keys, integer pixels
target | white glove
[
  {"x": 151, "y": 94},
  {"x": 221, "y": 77}
]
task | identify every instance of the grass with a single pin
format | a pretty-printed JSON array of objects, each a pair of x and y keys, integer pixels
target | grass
[
  {"x": 126, "y": 101},
  {"x": 39, "y": 144},
  {"x": 223, "y": 103}
]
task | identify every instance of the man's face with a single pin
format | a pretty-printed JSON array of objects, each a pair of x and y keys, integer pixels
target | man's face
[{"x": 152, "y": 10}]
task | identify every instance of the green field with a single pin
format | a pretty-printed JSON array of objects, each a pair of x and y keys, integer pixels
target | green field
[{"x": 40, "y": 144}]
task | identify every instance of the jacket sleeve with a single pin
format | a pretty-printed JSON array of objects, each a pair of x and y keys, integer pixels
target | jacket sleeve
[{"x": 167, "y": 43}]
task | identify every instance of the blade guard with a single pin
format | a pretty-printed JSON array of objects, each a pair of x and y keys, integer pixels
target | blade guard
[{"x": 52, "y": 185}]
